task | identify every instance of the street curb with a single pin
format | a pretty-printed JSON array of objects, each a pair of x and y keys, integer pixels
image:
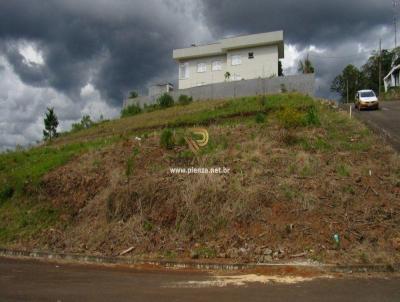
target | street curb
[{"x": 204, "y": 266}]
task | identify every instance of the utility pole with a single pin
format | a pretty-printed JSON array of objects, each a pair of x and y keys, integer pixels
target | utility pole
[
  {"x": 395, "y": 31},
  {"x": 347, "y": 84},
  {"x": 380, "y": 66},
  {"x": 396, "y": 3}
]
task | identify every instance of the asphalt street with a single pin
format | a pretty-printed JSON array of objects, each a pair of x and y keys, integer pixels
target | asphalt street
[
  {"x": 29, "y": 280},
  {"x": 385, "y": 121}
]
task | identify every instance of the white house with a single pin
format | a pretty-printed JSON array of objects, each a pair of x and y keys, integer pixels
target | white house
[
  {"x": 244, "y": 57},
  {"x": 392, "y": 79}
]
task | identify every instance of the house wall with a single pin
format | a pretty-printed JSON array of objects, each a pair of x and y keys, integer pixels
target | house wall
[
  {"x": 158, "y": 89},
  {"x": 264, "y": 64},
  {"x": 203, "y": 78}
]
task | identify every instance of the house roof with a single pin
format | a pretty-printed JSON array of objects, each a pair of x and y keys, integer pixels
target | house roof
[{"x": 222, "y": 46}]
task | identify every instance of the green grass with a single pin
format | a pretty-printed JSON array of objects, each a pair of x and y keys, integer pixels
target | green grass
[
  {"x": 343, "y": 170},
  {"x": 21, "y": 169},
  {"x": 196, "y": 113},
  {"x": 22, "y": 215},
  {"x": 20, "y": 220}
]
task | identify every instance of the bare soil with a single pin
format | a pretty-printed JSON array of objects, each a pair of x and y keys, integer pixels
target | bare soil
[{"x": 280, "y": 201}]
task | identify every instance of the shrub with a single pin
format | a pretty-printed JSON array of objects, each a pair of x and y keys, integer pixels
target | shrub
[
  {"x": 77, "y": 127},
  {"x": 184, "y": 99},
  {"x": 133, "y": 95},
  {"x": 311, "y": 117},
  {"x": 165, "y": 101},
  {"x": 85, "y": 123},
  {"x": 6, "y": 193},
  {"x": 131, "y": 110},
  {"x": 260, "y": 118},
  {"x": 291, "y": 117},
  {"x": 151, "y": 108},
  {"x": 167, "y": 139}
]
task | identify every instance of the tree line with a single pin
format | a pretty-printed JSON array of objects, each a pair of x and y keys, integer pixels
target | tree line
[{"x": 367, "y": 76}]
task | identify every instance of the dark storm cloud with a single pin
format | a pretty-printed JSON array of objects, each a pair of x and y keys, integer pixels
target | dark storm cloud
[
  {"x": 305, "y": 22},
  {"x": 116, "y": 45},
  {"x": 338, "y": 27}
]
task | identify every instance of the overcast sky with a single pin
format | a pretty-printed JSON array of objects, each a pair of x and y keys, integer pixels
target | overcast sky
[{"x": 83, "y": 56}]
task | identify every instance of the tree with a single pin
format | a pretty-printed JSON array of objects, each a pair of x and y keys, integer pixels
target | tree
[
  {"x": 86, "y": 121},
  {"x": 227, "y": 76},
  {"x": 371, "y": 68},
  {"x": 133, "y": 95},
  {"x": 306, "y": 66},
  {"x": 280, "y": 69},
  {"x": 352, "y": 77},
  {"x": 50, "y": 124}
]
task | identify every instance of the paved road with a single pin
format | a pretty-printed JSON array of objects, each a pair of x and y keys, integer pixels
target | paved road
[
  {"x": 386, "y": 120},
  {"x": 37, "y": 281}
]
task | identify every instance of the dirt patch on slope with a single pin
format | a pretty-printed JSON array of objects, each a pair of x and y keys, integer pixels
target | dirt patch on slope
[{"x": 279, "y": 201}]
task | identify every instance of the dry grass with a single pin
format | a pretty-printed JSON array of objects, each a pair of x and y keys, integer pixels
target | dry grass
[
  {"x": 296, "y": 198},
  {"x": 288, "y": 190}
]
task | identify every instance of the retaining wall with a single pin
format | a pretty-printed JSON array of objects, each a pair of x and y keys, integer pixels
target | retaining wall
[{"x": 303, "y": 83}]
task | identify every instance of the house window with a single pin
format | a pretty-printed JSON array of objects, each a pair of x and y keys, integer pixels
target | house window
[
  {"x": 251, "y": 55},
  {"x": 236, "y": 60},
  {"x": 201, "y": 67},
  {"x": 216, "y": 65},
  {"x": 184, "y": 71}
]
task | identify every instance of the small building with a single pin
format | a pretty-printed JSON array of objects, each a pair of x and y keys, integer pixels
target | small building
[
  {"x": 393, "y": 78},
  {"x": 161, "y": 88},
  {"x": 231, "y": 59}
]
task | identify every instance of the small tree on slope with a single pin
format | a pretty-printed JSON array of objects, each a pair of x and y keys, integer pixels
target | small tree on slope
[{"x": 50, "y": 124}]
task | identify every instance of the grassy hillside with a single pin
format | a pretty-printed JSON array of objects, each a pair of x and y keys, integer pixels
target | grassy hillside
[{"x": 300, "y": 172}]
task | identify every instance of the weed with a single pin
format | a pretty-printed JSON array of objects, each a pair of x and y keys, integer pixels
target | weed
[
  {"x": 311, "y": 117},
  {"x": 110, "y": 207},
  {"x": 6, "y": 193},
  {"x": 165, "y": 101},
  {"x": 260, "y": 118},
  {"x": 220, "y": 223},
  {"x": 290, "y": 118},
  {"x": 184, "y": 99},
  {"x": 131, "y": 110},
  {"x": 349, "y": 189},
  {"x": 167, "y": 139},
  {"x": 288, "y": 137},
  {"x": 148, "y": 226},
  {"x": 170, "y": 255},
  {"x": 364, "y": 258},
  {"x": 342, "y": 170},
  {"x": 288, "y": 191},
  {"x": 96, "y": 164},
  {"x": 206, "y": 252}
]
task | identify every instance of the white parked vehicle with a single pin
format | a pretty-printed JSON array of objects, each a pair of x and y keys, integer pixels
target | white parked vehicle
[{"x": 366, "y": 99}]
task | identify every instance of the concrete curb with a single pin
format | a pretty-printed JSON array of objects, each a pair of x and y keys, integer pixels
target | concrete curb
[{"x": 205, "y": 266}]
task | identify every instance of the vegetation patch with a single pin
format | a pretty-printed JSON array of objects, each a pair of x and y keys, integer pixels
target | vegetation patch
[{"x": 294, "y": 182}]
